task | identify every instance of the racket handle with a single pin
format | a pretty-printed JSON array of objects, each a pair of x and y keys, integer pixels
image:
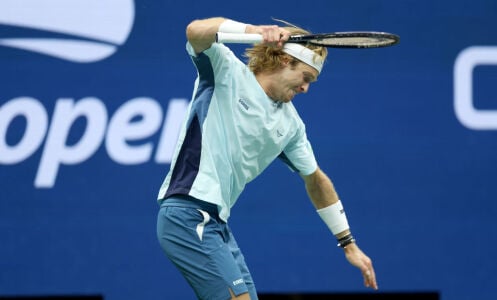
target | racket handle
[{"x": 238, "y": 38}]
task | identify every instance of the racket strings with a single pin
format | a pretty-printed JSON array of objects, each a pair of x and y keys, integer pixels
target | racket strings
[{"x": 356, "y": 41}]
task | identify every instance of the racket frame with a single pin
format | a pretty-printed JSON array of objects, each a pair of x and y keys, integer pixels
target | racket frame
[{"x": 253, "y": 38}]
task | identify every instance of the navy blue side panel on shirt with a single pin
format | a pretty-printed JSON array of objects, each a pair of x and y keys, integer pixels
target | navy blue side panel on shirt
[
  {"x": 205, "y": 87},
  {"x": 188, "y": 161},
  {"x": 285, "y": 159}
]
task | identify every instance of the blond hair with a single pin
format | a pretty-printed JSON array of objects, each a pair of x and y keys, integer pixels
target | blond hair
[{"x": 267, "y": 58}]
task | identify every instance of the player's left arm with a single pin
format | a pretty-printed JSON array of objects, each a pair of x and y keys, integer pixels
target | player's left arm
[
  {"x": 323, "y": 195},
  {"x": 320, "y": 189}
]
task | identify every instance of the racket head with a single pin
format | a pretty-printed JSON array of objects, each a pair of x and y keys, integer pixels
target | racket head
[{"x": 350, "y": 39}]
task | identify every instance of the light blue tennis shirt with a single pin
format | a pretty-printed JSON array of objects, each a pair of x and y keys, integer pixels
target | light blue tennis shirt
[{"x": 232, "y": 132}]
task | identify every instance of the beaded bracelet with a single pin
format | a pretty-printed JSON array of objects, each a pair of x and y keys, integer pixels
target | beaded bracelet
[{"x": 345, "y": 241}]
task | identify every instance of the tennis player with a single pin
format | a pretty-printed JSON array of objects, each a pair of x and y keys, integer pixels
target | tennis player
[{"x": 241, "y": 118}]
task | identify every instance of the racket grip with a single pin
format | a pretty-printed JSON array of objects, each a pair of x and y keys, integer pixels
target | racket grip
[{"x": 238, "y": 38}]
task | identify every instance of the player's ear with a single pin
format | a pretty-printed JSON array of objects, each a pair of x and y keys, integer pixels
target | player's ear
[{"x": 285, "y": 60}]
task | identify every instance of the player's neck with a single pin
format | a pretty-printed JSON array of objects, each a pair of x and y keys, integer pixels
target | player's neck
[{"x": 266, "y": 81}]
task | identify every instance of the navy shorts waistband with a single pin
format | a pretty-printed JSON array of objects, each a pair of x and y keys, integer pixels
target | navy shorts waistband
[{"x": 189, "y": 201}]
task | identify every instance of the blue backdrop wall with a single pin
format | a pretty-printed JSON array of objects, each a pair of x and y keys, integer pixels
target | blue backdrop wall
[{"x": 91, "y": 96}]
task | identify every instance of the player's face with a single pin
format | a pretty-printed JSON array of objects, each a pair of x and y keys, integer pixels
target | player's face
[{"x": 293, "y": 80}]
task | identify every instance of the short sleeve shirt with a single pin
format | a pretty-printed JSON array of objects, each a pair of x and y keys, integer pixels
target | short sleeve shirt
[{"x": 232, "y": 132}]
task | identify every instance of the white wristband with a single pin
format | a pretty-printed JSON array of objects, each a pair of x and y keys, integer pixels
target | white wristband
[
  {"x": 230, "y": 26},
  {"x": 334, "y": 217}
]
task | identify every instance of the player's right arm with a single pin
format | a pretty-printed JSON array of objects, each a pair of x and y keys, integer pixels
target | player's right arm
[{"x": 202, "y": 33}]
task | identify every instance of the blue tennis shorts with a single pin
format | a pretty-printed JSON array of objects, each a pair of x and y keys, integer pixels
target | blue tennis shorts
[{"x": 203, "y": 248}]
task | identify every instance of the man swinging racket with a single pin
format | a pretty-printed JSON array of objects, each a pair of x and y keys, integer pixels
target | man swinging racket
[{"x": 240, "y": 119}]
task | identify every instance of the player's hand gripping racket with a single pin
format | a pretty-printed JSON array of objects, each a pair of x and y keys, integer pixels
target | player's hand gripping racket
[{"x": 352, "y": 39}]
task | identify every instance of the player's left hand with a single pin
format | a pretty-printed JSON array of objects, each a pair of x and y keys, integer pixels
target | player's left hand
[{"x": 358, "y": 259}]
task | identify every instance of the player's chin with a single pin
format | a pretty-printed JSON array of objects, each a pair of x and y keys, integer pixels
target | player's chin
[
  {"x": 290, "y": 97},
  {"x": 285, "y": 98}
]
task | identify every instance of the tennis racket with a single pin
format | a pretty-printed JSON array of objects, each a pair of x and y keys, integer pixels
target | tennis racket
[{"x": 351, "y": 39}]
